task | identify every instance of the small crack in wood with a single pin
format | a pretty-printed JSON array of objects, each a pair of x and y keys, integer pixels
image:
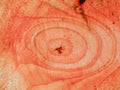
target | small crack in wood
[{"x": 82, "y": 12}]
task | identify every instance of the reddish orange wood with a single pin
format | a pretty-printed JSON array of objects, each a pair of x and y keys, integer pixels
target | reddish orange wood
[{"x": 59, "y": 45}]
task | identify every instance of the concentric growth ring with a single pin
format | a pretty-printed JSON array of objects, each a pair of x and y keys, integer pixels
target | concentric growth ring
[
  {"x": 59, "y": 45},
  {"x": 71, "y": 45}
]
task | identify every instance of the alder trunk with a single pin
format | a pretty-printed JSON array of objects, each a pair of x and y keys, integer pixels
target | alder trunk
[{"x": 59, "y": 45}]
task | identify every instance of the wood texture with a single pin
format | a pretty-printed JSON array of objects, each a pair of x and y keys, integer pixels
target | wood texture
[{"x": 59, "y": 45}]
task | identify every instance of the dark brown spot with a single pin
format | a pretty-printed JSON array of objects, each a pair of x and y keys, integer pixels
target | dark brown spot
[
  {"x": 81, "y": 1},
  {"x": 59, "y": 49}
]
